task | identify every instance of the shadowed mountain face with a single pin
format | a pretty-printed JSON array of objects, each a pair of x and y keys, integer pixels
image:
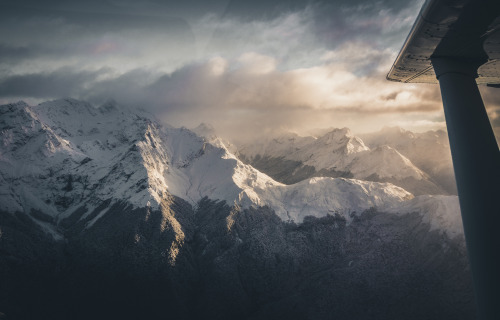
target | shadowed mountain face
[{"x": 218, "y": 262}]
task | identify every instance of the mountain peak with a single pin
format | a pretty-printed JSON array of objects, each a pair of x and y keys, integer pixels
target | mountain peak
[
  {"x": 395, "y": 131},
  {"x": 109, "y": 105},
  {"x": 18, "y": 104},
  {"x": 97, "y": 157},
  {"x": 64, "y": 109},
  {"x": 342, "y": 140},
  {"x": 340, "y": 132},
  {"x": 205, "y": 130}
]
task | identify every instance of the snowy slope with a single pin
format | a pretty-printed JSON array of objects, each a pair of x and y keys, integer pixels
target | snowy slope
[
  {"x": 430, "y": 151},
  {"x": 61, "y": 155},
  {"x": 339, "y": 153},
  {"x": 339, "y": 150},
  {"x": 66, "y": 158},
  {"x": 441, "y": 212},
  {"x": 321, "y": 196},
  {"x": 214, "y": 172}
]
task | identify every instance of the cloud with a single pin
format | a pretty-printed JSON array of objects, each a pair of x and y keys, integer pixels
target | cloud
[
  {"x": 298, "y": 64},
  {"x": 127, "y": 35},
  {"x": 59, "y": 83},
  {"x": 491, "y": 97},
  {"x": 420, "y": 125},
  {"x": 249, "y": 92},
  {"x": 45, "y": 39}
]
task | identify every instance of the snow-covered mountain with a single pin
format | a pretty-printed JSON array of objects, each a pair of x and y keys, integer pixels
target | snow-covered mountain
[
  {"x": 114, "y": 213},
  {"x": 430, "y": 151},
  {"x": 337, "y": 153},
  {"x": 62, "y": 156},
  {"x": 65, "y": 156}
]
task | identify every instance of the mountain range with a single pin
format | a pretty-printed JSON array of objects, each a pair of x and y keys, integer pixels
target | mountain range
[
  {"x": 417, "y": 162},
  {"x": 107, "y": 212}
]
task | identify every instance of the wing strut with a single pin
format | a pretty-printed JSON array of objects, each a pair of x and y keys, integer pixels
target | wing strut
[
  {"x": 458, "y": 42},
  {"x": 476, "y": 161}
]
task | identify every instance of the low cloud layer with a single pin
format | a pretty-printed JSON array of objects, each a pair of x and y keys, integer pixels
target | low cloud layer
[{"x": 246, "y": 94}]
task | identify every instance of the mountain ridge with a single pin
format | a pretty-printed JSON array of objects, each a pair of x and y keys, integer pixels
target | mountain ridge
[
  {"x": 106, "y": 213},
  {"x": 338, "y": 153},
  {"x": 86, "y": 159}
]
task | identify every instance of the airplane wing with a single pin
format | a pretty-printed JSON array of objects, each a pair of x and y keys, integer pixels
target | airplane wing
[{"x": 461, "y": 29}]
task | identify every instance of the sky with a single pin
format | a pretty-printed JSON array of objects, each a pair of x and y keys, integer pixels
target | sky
[{"x": 249, "y": 68}]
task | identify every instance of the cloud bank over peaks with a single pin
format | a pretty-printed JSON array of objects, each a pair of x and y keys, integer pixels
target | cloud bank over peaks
[
  {"x": 246, "y": 69},
  {"x": 247, "y": 94}
]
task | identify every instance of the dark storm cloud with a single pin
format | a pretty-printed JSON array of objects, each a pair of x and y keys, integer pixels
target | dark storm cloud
[
  {"x": 270, "y": 9},
  {"x": 40, "y": 37},
  {"x": 17, "y": 54},
  {"x": 13, "y": 54},
  {"x": 242, "y": 9},
  {"x": 91, "y": 21},
  {"x": 70, "y": 28},
  {"x": 48, "y": 26},
  {"x": 322, "y": 25},
  {"x": 336, "y": 22},
  {"x": 59, "y": 83}
]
